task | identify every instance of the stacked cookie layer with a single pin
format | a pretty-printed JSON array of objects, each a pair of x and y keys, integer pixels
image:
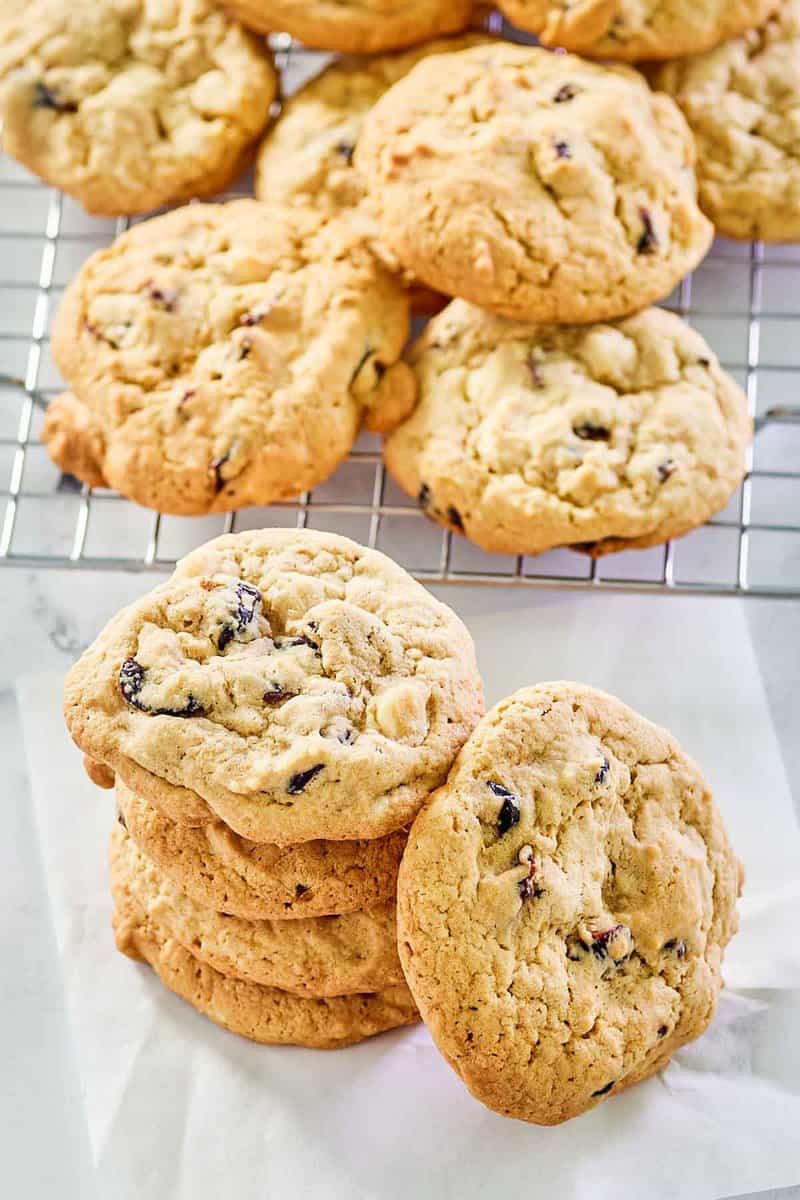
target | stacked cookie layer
[{"x": 274, "y": 716}]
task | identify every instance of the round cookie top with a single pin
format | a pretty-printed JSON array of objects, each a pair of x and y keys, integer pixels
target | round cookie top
[
  {"x": 298, "y": 684},
  {"x": 537, "y": 185},
  {"x": 564, "y": 903},
  {"x": 742, "y": 101},
  {"x": 317, "y": 956},
  {"x": 636, "y": 29},
  {"x": 527, "y": 437},
  {"x": 131, "y": 104},
  {"x": 355, "y": 26},
  {"x": 227, "y": 354},
  {"x": 258, "y": 881}
]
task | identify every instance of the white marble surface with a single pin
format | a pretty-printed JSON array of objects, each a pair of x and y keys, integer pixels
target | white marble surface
[{"x": 46, "y": 618}]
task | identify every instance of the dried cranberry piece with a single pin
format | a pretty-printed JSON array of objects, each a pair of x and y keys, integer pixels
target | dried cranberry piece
[
  {"x": 131, "y": 682},
  {"x": 347, "y": 150},
  {"x": 300, "y": 781},
  {"x": 590, "y": 432},
  {"x": 249, "y": 598},
  {"x": 600, "y": 940},
  {"x": 566, "y": 92},
  {"x": 286, "y": 643},
  {"x": 454, "y": 517},
  {"x": 166, "y": 297},
  {"x": 46, "y": 97},
  {"x": 676, "y": 946},
  {"x": 648, "y": 242},
  {"x": 508, "y": 816},
  {"x": 216, "y": 466},
  {"x": 535, "y": 373},
  {"x": 562, "y": 149},
  {"x": 602, "y": 774},
  {"x": 603, "y": 1091}
]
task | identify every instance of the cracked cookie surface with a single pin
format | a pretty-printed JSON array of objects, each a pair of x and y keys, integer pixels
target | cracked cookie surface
[
  {"x": 528, "y": 437},
  {"x": 128, "y": 105},
  {"x": 636, "y": 29},
  {"x": 294, "y": 682},
  {"x": 537, "y": 185},
  {"x": 318, "y": 956},
  {"x": 742, "y": 102},
  {"x": 354, "y": 26},
  {"x": 564, "y": 903},
  {"x": 262, "y": 1014},
  {"x": 226, "y": 355},
  {"x": 258, "y": 881}
]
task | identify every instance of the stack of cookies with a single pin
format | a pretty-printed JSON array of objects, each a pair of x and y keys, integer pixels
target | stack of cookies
[
  {"x": 276, "y": 716},
  {"x": 273, "y": 718}
]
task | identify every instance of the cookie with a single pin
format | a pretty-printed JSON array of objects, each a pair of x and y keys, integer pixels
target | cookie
[
  {"x": 564, "y": 903},
  {"x": 536, "y": 185},
  {"x": 128, "y": 105},
  {"x": 742, "y": 102},
  {"x": 262, "y": 1014},
  {"x": 226, "y": 355},
  {"x": 318, "y": 956},
  {"x": 636, "y": 29},
  {"x": 528, "y": 437},
  {"x": 307, "y": 156},
  {"x": 354, "y": 26},
  {"x": 296, "y": 683},
  {"x": 220, "y": 870}
]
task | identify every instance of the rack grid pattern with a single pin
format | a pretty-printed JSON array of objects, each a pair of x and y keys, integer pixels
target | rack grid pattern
[{"x": 745, "y": 299}]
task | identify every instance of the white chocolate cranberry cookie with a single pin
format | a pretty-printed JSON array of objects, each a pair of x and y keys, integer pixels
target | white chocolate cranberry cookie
[
  {"x": 296, "y": 684},
  {"x": 604, "y": 437},
  {"x": 226, "y": 354},
  {"x": 742, "y": 102},
  {"x": 131, "y": 104},
  {"x": 537, "y": 185},
  {"x": 564, "y": 903}
]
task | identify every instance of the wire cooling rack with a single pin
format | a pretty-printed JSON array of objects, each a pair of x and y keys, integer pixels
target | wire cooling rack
[{"x": 745, "y": 299}]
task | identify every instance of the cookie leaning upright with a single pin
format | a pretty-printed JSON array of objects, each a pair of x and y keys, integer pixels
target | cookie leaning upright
[
  {"x": 131, "y": 104},
  {"x": 226, "y": 354},
  {"x": 636, "y": 29},
  {"x": 294, "y": 683},
  {"x": 603, "y": 436},
  {"x": 537, "y": 185},
  {"x": 742, "y": 102},
  {"x": 354, "y": 26},
  {"x": 564, "y": 903}
]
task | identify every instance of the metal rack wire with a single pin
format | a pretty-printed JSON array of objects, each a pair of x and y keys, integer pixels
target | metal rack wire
[{"x": 745, "y": 299}]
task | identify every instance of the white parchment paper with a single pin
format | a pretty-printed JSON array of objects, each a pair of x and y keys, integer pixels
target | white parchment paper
[{"x": 180, "y": 1110}]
